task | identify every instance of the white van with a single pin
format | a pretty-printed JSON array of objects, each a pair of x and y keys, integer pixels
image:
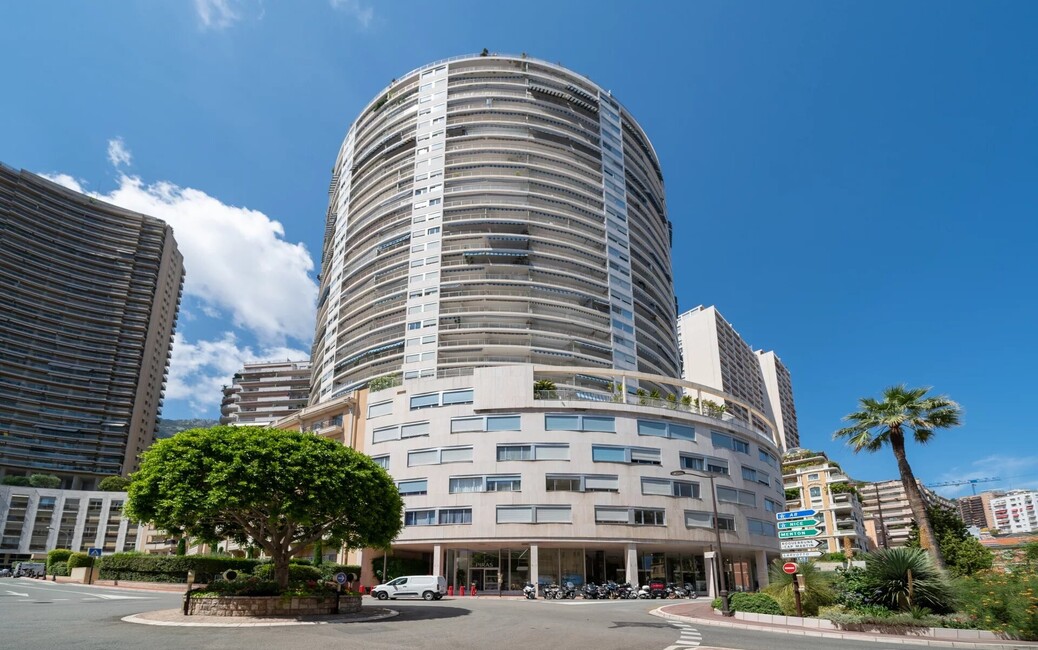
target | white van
[{"x": 426, "y": 587}]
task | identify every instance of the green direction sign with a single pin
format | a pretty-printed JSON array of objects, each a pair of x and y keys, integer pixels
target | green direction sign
[
  {"x": 800, "y": 532},
  {"x": 802, "y": 523}
]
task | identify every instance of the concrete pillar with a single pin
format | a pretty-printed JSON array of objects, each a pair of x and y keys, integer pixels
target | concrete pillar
[
  {"x": 711, "y": 577},
  {"x": 437, "y": 561},
  {"x": 631, "y": 564},
  {"x": 762, "y": 569},
  {"x": 535, "y": 569}
]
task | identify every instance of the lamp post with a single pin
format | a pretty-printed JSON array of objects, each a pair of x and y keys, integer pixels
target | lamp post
[
  {"x": 61, "y": 532},
  {"x": 725, "y": 610}
]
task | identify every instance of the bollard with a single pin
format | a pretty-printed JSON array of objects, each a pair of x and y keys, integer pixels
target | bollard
[
  {"x": 461, "y": 590},
  {"x": 450, "y": 590},
  {"x": 472, "y": 590},
  {"x": 361, "y": 590}
]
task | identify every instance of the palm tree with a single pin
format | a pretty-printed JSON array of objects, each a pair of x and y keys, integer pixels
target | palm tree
[{"x": 879, "y": 423}]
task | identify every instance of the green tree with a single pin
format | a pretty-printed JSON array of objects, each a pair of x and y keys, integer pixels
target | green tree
[
  {"x": 20, "y": 481},
  {"x": 44, "y": 481},
  {"x": 818, "y": 586},
  {"x": 902, "y": 578},
  {"x": 880, "y": 423},
  {"x": 113, "y": 484},
  {"x": 1031, "y": 554},
  {"x": 279, "y": 490},
  {"x": 182, "y": 546},
  {"x": 963, "y": 554}
]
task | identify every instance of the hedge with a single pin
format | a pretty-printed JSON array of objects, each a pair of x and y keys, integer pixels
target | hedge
[
  {"x": 77, "y": 560},
  {"x": 328, "y": 570},
  {"x": 755, "y": 603},
  {"x": 57, "y": 556},
  {"x": 169, "y": 568},
  {"x": 57, "y": 569},
  {"x": 296, "y": 572}
]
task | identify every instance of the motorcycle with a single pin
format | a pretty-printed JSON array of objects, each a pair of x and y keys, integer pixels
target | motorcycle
[
  {"x": 692, "y": 593},
  {"x": 530, "y": 591},
  {"x": 568, "y": 591},
  {"x": 552, "y": 592},
  {"x": 675, "y": 591},
  {"x": 590, "y": 591},
  {"x": 644, "y": 592},
  {"x": 657, "y": 589}
]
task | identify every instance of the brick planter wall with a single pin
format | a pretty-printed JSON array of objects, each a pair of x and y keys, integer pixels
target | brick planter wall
[{"x": 261, "y": 606}]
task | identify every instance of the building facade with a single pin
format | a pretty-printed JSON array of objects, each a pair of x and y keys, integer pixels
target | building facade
[
  {"x": 821, "y": 485},
  {"x": 1016, "y": 512},
  {"x": 975, "y": 510},
  {"x": 262, "y": 393},
  {"x": 714, "y": 354},
  {"x": 488, "y": 210},
  {"x": 887, "y": 501},
  {"x": 36, "y": 520},
  {"x": 90, "y": 294}
]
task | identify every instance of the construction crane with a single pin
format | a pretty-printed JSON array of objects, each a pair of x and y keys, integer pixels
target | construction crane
[{"x": 970, "y": 482}]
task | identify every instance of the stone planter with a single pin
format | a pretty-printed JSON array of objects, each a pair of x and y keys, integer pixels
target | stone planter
[{"x": 262, "y": 606}]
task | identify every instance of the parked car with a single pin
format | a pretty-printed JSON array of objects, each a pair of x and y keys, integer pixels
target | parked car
[{"x": 425, "y": 587}]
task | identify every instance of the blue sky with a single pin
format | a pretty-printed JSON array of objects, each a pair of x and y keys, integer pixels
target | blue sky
[{"x": 852, "y": 184}]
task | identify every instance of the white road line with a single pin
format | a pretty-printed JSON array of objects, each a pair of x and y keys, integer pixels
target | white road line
[
  {"x": 15, "y": 593},
  {"x": 688, "y": 639},
  {"x": 95, "y": 594}
]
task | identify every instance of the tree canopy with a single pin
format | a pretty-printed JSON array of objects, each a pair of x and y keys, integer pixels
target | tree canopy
[
  {"x": 963, "y": 554},
  {"x": 886, "y": 422},
  {"x": 113, "y": 484},
  {"x": 279, "y": 490}
]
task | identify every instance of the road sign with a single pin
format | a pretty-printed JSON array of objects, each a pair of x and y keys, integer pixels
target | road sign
[
  {"x": 801, "y": 554},
  {"x": 795, "y": 514},
  {"x": 799, "y": 532},
  {"x": 799, "y": 523},
  {"x": 94, "y": 552},
  {"x": 790, "y": 567},
  {"x": 800, "y": 543},
  {"x": 340, "y": 578}
]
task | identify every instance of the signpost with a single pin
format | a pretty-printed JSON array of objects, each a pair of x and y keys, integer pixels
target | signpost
[
  {"x": 801, "y": 554},
  {"x": 794, "y": 514},
  {"x": 799, "y": 532},
  {"x": 799, "y": 523},
  {"x": 790, "y": 567},
  {"x": 799, "y": 543},
  {"x": 93, "y": 552}
]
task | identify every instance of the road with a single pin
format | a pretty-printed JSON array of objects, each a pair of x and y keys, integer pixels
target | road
[{"x": 41, "y": 615}]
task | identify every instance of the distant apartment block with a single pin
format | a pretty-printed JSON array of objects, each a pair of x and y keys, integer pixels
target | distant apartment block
[
  {"x": 36, "y": 520},
  {"x": 887, "y": 500},
  {"x": 976, "y": 511},
  {"x": 821, "y": 485},
  {"x": 714, "y": 355},
  {"x": 265, "y": 392},
  {"x": 1016, "y": 512},
  {"x": 90, "y": 294}
]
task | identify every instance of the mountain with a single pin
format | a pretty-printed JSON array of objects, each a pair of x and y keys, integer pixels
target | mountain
[{"x": 168, "y": 427}]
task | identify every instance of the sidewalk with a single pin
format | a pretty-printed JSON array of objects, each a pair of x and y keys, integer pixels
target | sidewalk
[{"x": 701, "y": 613}]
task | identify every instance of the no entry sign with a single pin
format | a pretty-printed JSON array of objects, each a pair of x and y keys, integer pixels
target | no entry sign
[{"x": 790, "y": 567}]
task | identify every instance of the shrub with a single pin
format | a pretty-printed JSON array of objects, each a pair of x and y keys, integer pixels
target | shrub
[
  {"x": 850, "y": 587},
  {"x": 248, "y": 586},
  {"x": 169, "y": 568},
  {"x": 77, "y": 560},
  {"x": 58, "y": 569},
  {"x": 754, "y": 603},
  {"x": 113, "y": 484},
  {"x": 296, "y": 572},
  {"x": 716, "y": 603},
  {"x": 887, "y": 574},
  {"x": 819, "y": 590},
  {"x": 328, "y": 571},
  {"x": 1002, "y": 602},
  {"x": 44, "y": 481},
  {"x": 58, "y": 555},
  {"x": 874, "y": 616},
  {"x": 20, "y": 481}
]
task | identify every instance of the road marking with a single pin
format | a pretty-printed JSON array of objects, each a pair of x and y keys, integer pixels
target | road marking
[
  {"x": 688, "y": 638},
  {"x": 94, "y": 594},
  {"x": 15, "y": 593}
]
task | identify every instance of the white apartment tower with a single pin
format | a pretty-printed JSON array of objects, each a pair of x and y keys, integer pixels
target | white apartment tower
[
  {"x": 494, "y": 223},
  {"x": 262, "y": 393},
  {"x": 714, "y": 355},
  {"x": 1016, "y": 511}
]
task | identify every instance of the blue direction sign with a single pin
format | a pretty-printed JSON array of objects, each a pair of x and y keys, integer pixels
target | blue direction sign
[{"x": 795, "y": 514}]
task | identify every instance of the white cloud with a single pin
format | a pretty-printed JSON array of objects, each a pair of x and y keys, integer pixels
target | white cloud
[
  {"x": 216, "y": 14},
  {"x": 66, "y": 181},
  {"x": 1016, "y": 472},
  {"x": 118, "y": 154},
  {"x": 363, "y": 13},
  {"x": 199, "y": 370}
]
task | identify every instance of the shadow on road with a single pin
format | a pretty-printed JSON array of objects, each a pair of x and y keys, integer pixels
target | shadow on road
[
  {"x": 416, "y": 612},
  {"x": 617, "y": 624}
]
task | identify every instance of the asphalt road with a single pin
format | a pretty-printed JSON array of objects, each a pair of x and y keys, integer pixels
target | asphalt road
[{"x": 41, "y": 615}]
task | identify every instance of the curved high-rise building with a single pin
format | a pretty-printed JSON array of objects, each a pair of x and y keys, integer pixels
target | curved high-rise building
[
  {"x": 89, "y": 294},
  {"x": 496, "y": 328},
  {"x": 488, "y": 210}
]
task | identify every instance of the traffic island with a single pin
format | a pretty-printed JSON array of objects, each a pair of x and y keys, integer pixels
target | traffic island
[
  {"x": 264, "y": 606},
  {"x": 176, "y": 618}
]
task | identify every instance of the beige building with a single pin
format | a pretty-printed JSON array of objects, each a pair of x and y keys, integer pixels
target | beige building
[
  {"x": 778, "y": 386},
  {"x": 263, "y": 393},
  {"x": 887, "y": 500},
  {"x": 975, "y": 510},
  {"x": 821, "y": 485}
]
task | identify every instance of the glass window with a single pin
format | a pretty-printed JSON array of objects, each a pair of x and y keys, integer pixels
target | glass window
[
  {"x": 772, "y": 506},
  {"x": 725, "y": 522},
  {"x": 503, "y": 423},
  {"x": 716, "y": 465},
  {"x": 465, "y": 484},
  {"x": 681, "y": 432},
  {"x": 812, "y": 477},
  {"x": 816, "y": 493},
  {"x": 457, "y": 397},
  {"x": 686, "y": 489},
  {"x": 515, "y": 514},
  {"x": 561, "y": 422},
  {"x": 599, "y": 423},
  {"x": 425, "y": 401},
  {"x": 767, "y": 458},
  {"x": 382, "y": 408},
  {"x": 456, "y": 455},
  {"x": 601, "y": 483},
  {"x": 728, "y": 494},
  {"x": 692, "y": 462},
  {"x": 652, "y": 428},
  {"x": 758, "y": 527},
  {"x": 657, "y": 486},
  {"x": 601, "y": 454},
  {"x": 417, "y": 486},
  {"x": 420, "y": 518},
  {"x": 426, "y": 457},
  {"x": 642, "y": 456},
  {"x": 609, "y": 515},
  {"x": 644, "y": 517},
  {"x": 504, "y": 484},
  {"x": 414, "y": 429},
  {"x": 729, "y": 442},
  {"x": 514, "y": 452},
  {"x": 694, "y": 519},
  {"x": 462, "y": 425},
  {"x": 383, "y": 434},
  {"x": 381, "y": 461},
  {"x": 456, "y": 516},
  {"x": 562, "y": 483}
]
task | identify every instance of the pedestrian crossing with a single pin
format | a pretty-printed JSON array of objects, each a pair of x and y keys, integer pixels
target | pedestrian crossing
[{"x": 688, "y": 639}]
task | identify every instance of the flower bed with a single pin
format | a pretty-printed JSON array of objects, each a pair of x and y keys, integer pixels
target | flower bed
[{"x": 260, "y": 606}]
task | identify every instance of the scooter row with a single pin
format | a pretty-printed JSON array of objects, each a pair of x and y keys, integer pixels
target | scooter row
[{"x": 611, "y": 591}]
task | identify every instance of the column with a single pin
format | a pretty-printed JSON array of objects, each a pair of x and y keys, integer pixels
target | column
[
  {"x": 711, "y": 574},
  {"x": 631, "y": 564},
  {"x": 762, "y": 569},
  {"x": 535, "y": 569},
  {"x": 437, "y": 560}
]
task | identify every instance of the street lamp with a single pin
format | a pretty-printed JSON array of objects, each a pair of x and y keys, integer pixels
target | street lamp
[
  {"x": 61, "y": 532},
  {"x": 725, "y": 610}
]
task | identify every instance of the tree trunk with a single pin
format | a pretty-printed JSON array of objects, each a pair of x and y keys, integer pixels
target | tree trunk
[
  {"x": 281, "y": 569},
  {"x": 915, "y": 499}
]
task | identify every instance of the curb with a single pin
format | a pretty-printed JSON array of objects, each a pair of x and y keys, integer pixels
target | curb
[
  {"x": 850, "y": 636},
  {"x": 138, "y": 619}
]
